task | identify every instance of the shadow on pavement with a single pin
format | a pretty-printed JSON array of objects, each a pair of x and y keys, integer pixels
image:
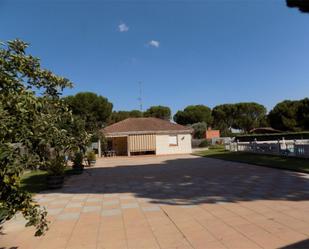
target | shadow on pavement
[
  {"x": 299, "y": 245},
  {"x": 191, "y": 180}
]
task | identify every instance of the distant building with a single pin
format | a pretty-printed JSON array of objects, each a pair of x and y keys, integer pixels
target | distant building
[
  {"x": 264, "y": 130},
  {"x": 236, "y": 131},
  {"x": 210, "y": 133}
]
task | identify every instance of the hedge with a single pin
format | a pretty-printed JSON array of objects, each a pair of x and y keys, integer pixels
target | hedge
[{"x": 275, "y": 136}]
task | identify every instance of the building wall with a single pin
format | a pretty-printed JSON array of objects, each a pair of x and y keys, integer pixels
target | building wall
[
  {"x": 183, "y": 147},
  {"x": 209, "y": 134}
]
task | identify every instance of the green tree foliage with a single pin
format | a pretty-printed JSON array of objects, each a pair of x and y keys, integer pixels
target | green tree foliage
[
  {"x": 290, "y": 115},
  {"x": 95, "y": 110},
  {"x": 284, "y": 116},
  {"x": 32, "y": 128},
  {"x": 199, "y": 130},
  {"x": 162, "y": 112},
  {"x": 121, "y": 115},
  {"x": 250, "y": 115},
  {"x": 302, "y": 5},
  {"x": 194, "y": 114},
  {"x": 224, "y": 117},
  {"x": 303, "y": 114},
  {"x": 244, "y": 116}
]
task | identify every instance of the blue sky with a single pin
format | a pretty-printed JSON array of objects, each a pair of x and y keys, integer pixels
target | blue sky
[{"x": 183, "y": 52}]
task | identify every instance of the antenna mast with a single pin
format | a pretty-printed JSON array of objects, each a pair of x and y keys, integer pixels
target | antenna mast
[{"x": 140, "y": 96}]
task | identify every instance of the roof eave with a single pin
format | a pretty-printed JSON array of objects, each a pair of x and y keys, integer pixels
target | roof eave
[{"x": 127, "y": 133}]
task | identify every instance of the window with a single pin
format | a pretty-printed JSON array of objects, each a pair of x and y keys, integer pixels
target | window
[{"x": 173, "y": 140}]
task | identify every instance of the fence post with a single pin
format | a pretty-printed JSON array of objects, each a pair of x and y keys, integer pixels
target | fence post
[
  {"x": 279, "y": 147},
  {"x": 255, "y": 145},
  {"x": 237, "y": 144}
]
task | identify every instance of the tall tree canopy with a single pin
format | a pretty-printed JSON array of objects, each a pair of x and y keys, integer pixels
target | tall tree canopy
[
  {"x": 117, "y": 116},
  {"x": 302, "y": 5},
  {"x": 162, "y": 112},
  {"x": 224, "y": 117},
  {"x": 303, "y": 114},
  {"x": 244, "y": 116},
  {"x": 194, "y": 114},
  {"x": 95, "y": 110},
  {"x": 250, "y": 115},
  {"x": 32, "y": 128},
  {"x": 290, "y": 115}
]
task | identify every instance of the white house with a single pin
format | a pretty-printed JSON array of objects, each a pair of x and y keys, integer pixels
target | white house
[{"x": 138, "y": 136}]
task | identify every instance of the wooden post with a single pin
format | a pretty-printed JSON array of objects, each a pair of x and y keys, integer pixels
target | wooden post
[{"x": 128, "y": 145}]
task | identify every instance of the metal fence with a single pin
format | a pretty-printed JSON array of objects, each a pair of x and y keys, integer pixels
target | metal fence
[{"x": 296, "y": 148}]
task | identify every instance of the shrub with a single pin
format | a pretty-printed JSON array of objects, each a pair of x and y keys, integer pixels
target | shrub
[
  {"x": 90, "y": 157},
  {"x": 78, "y": 159},
  {"x": 56, "y": 166},
  {"x": 216, "y": 146},
  {"x": 205, "y": 143},
  {"x": 199, "y": 129},
  {"x": 276, "y": 136}
]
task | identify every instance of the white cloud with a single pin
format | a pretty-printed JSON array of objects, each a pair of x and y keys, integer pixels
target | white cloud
[
  {"x": 154, "y": 43},
  {"x": 122, "y": 27}
]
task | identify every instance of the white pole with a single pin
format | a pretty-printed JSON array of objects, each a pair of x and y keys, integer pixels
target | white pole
[{"x": 99, "y": 148}]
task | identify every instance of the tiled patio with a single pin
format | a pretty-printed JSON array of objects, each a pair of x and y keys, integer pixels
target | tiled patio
[{"x": 172, "y": 202}]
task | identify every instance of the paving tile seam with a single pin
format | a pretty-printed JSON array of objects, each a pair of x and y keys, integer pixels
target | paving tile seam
[
  {"x": 98, "y": 232},
  {"x": 244, "y": 217},
  {"x": 283, "y": 213},
  {"x": 278, "y": 222},
  {"x": 179, "y": 230},
  {"x": 71, "y": 234},
  {"x": 125, "y": 230},
  {"x": 198, "y": 221},
  {"x": 215, "y": 237},
  {"x": 250, "y": 222},
  {"x": 260, "y": 226},
  {"x": 149, "y": 225}
]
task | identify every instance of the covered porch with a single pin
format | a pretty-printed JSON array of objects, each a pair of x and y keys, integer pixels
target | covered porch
[{"x": 134, "y": 144}]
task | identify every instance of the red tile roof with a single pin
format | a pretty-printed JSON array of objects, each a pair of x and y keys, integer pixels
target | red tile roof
[{"x": 144, "y": 126}]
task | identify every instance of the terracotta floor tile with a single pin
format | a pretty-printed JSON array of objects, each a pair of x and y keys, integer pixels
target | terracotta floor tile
[
  {"x": 172, "y": 202},
  {"x": 239, "y": 242}
]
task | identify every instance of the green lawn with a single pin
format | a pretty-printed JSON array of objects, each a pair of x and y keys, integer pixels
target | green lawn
[
  {"x": 35, "y": 181},
  {"x": 290, "y": 163}
]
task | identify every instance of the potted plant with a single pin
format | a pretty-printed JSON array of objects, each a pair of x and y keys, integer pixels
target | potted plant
[
  {"x": 91, "y": 158},
  {"x": 78, "y": 162},
  {"x": 55, "y": 177}
]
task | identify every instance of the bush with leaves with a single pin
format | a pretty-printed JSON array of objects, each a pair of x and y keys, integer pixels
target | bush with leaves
[
  {"x": 204, "y": 143},
  {"x": 199, "y": 130},
  {"x": 77, "y": 160},
  {"x": 33, "y": 129},
  {"x": 91, "y": 157}
]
